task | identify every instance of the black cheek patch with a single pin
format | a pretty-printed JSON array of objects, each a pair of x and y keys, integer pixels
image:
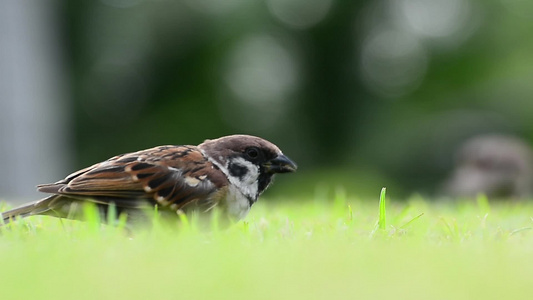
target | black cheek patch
[{"x": 237, "y": 170}]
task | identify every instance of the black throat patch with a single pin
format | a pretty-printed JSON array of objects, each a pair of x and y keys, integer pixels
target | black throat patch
[{"x": 264, "y": 181}]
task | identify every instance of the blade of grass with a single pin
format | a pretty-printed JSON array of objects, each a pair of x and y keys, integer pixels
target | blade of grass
[
  {"x": 111, "y": 214},
  {"x": 382, "y": 223},
  {"x": 339, "y": 202},
  {"x": 410, "y": 221},
  {"x": 350, "y": 214},
  {"x": 184, "y": 220},
  {"x": 483, "y": 203},
  {"x": 519, "y": 230},
  {"x": 215, "y": 220},
  {"x": 91, "y": 217}
]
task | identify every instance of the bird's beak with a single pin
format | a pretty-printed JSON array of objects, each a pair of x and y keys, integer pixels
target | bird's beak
[{"x": 280, "y": 164}]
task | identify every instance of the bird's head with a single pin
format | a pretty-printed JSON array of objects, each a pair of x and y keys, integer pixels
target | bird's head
[{"x": 249, "y": 162}]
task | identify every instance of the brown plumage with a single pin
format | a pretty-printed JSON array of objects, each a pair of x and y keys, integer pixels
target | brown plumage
[
  {"x": 229, "y": 172},
  {"x": 499, "y": 166}
]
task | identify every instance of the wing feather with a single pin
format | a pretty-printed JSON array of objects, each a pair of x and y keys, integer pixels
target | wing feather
[{"x": 166, "y": 175}]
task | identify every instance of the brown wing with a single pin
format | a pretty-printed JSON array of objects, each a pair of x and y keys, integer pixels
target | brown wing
[{"x": 169, "y": 175}]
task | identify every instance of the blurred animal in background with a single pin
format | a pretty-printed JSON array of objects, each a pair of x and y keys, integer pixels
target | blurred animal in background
[{"x": 498, "y": 166}]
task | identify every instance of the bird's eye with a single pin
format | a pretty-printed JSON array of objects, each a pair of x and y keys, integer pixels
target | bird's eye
[{"x": 252, "y": 152}]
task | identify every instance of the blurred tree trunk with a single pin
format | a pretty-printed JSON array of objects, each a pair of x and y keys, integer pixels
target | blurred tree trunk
[
  {"x": 34, "y": 122},
  {"x": 334, "y": 97}
]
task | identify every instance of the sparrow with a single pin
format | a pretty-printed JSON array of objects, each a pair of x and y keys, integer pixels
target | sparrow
[
  {"x": 228, "y": 173},
  {"x": 499, "y": 166}
]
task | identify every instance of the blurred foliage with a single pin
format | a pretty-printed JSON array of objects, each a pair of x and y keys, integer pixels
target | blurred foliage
[{"x": 382, "y": 90}]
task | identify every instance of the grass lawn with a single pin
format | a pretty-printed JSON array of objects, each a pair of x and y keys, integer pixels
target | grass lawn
[{"x": 316, "y": 249}]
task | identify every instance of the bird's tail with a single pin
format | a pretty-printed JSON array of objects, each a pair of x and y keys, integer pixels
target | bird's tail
[{"x": 34, "y": 208}]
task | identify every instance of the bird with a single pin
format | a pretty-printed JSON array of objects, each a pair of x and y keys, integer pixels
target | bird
[
  {"x": 499, "y": 166},
  {"x": 227, "y": 173}
]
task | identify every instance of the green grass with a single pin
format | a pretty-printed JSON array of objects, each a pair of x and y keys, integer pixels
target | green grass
[{"x": 340, "y": 249}]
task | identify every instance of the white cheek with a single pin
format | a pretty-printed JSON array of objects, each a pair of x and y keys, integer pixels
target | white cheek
[
  {"x": 252, "y": 175},
  {"x": 253, "y": 170},
  {"x": 247, "y": 184}
]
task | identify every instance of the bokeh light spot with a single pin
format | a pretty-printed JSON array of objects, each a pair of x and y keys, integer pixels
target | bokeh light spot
[
  {"x": 261, "y": 70},
  {"x": 435, "y": 18},
  {"x": 261, "y": 75},
  {"x": 393, "y": 62},
  {"x": 300, "y": 14},
  {"x": 215, "y": 7},
  {"x": 121, "y": 3}
]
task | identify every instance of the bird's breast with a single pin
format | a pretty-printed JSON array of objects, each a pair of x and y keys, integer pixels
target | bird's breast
[{"x": 236, "y": 204}]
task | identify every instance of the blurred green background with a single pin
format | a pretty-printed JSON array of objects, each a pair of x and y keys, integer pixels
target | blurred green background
[{"x": 361, "y": 94}]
